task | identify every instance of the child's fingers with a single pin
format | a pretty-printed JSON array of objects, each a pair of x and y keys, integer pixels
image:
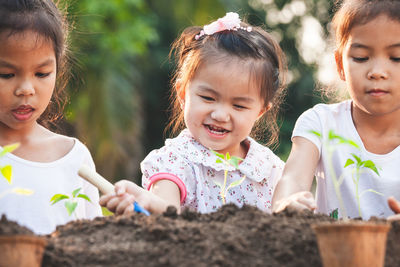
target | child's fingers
[
  {"x": 394, "y": 204},
  {"x": 124, "y": 204},
  {"x": 105, "y": 198},
  {"x": 308, "y": 201}
]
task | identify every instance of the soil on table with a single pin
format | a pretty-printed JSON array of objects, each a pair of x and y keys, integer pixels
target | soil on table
[{"x": 229, "y": 237}]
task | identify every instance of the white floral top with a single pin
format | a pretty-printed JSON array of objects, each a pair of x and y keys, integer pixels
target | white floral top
[{"x": 195, "y": 165}]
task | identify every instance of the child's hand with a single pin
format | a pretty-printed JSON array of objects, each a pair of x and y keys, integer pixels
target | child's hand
[
  {"x": 300, "y": 201},
  {"x": 395, "y": 206},
  {"x": 121, "y": 201},
  {"x": 127, "y": 192}
]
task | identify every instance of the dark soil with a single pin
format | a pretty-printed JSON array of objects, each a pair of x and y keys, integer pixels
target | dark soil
[
  {"x": 229, "y": 237},
  {"x": 12, "y": 228}
]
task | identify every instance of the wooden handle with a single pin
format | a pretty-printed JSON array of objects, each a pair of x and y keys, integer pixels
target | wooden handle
[{"x": 96, "y": 179}]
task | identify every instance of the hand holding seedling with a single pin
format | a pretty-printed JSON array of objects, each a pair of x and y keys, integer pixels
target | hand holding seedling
[{"x": 227, "y": 160}]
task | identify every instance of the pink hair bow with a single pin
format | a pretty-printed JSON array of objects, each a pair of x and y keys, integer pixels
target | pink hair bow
[{"x": 231, "y": 21}]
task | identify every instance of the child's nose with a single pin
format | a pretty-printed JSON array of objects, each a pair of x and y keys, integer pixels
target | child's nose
[
  {"x": 377, "y": 72},
  {"x": 220, "y": 114},
  {"x": 25, "y": 88}
]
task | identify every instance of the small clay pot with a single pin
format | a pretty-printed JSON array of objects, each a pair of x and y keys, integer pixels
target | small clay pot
[
  {"x": 354, "y": 243},
  {"x": 21, "y": 250}
]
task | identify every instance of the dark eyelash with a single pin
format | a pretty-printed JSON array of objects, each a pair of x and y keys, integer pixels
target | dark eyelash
[{"x": 6, "y": 75}]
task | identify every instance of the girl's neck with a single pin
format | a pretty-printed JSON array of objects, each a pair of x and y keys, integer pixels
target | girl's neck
[
  {"x": 25, "y": 135},
  {"x": 380, "y": 134}
]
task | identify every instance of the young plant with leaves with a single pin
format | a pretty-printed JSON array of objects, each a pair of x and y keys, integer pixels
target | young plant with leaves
[
  {"x": 227, "y": 160},
  {"x": 72, "y": 201},
  {"x": 6, "y": 173},
  {"x": 355, "y": 161}
]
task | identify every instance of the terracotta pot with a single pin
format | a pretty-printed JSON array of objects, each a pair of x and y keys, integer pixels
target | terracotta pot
[
  {"x": 21, "y": 250},
  {"x": 354, "y": 243}
]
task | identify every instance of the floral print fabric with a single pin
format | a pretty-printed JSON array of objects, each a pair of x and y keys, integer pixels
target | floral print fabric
[{"x": 196, "y": 166}]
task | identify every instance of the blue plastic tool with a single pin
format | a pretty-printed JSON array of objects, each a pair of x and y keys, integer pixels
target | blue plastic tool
[{"x": 140, "y": 209}]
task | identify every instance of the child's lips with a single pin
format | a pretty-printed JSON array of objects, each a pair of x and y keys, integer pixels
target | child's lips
[
  {"x": 23, "y": 112},
  {"x": 215, "y": 130},
  {"x": 377, "y": 92}
]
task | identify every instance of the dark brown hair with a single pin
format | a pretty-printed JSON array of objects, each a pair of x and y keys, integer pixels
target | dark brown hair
[
  {"x": 44, "y": 18},
  {"x": 268, "y": 67},
  {"x": 357, "y": 12}
]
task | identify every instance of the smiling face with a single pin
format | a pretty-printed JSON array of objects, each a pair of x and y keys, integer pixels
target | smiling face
[
  {"x": 27, "y": 79},
  {"x": 221, "y": 105},
  {"x": 370, "y": 66}
]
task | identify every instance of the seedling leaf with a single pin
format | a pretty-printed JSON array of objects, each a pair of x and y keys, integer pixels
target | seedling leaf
[
  {"x": 75, "y": 192},
  {"x": 370, "y": 165},
  {"x": 316, "y": 133},
  {"x": 71, "y": 206},
  {"x": 234, "y": 161},
  {"x": 22, "y": 191},
  {"x": 84, "y": 197},
  {"x": 58, "y": 197},
  {"x": 6, "y": 171},
  {"x": 348, "y": 162},
  {"x": 218, "y": 154},
  {"x": 8, "y": 149},
  {"x": 236, "y": 183},
  {"x": 357, "y": 158}
]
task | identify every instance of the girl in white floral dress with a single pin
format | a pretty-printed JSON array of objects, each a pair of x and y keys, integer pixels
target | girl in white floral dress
[{"x": 229, "y": 76}]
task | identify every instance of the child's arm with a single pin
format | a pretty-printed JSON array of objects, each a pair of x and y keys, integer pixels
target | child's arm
[
  {"x": 293, "y": 189},
  {"x": 165, "y": 193}
]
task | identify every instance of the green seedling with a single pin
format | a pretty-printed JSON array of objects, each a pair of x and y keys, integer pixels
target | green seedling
[
  {"x": 355, "y": 161},
  {"x": 6, "y": 173},
  {"x": 72, "y": 202},
  {"x": 359, "y": 166},
  {"x": 227, "y": 160}
]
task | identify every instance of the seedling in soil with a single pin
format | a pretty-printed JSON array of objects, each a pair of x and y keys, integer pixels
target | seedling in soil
[
  {"x": 227, "y": 160},
  {"x": 6, "y": 173},
  {"x": 72, "y": 203},
  {"x": 355, "y": 161}
]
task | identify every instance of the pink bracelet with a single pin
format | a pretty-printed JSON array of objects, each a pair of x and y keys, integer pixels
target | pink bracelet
[{"x": 168, "y": 176}]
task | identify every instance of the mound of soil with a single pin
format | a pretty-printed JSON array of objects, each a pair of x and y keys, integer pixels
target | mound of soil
[
  {"x": 229, "y": 237},
  {"x": 12, "y": 228}
]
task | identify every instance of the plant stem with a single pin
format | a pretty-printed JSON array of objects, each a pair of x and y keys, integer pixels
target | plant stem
[
  {"x": 224, "y": 186},
  {"x": 336, "y": 185},
  {"x": 357, "y": 193}
]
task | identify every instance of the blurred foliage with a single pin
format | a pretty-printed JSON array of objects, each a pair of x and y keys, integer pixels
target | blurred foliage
[{"x": 120, "y": 90}]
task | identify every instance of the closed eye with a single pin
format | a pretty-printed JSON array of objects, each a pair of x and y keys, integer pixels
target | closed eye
[
  {"x": 6, "y": 75},
  {"x": 360, "y": 59},
  {"x": 207, "y": 98},
  {"x": 240, "y": 107},
  {"x": 395, "y": 59},
  {"x": 42, "y": 75}
]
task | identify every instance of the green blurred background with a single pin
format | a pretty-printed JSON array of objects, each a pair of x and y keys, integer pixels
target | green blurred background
[{"x": 121, "y": 70}]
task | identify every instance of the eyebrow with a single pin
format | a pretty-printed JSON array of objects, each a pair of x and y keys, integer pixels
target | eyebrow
[
  {"x": 212, "y": 91},
  {"x": 46, "y": 63},
  {"x": 358, "y": 45},
  {"x": 6, "y": 64},
  {"x": 11, "y": 66}
]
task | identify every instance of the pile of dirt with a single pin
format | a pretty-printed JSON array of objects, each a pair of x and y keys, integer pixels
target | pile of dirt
[
  {"x": 12, "y": 228},
  {"x": 229, "y": 237}
]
